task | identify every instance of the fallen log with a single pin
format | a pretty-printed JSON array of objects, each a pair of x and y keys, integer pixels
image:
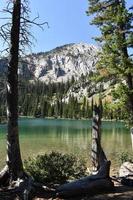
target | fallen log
[{"x": 89, "y": 186}]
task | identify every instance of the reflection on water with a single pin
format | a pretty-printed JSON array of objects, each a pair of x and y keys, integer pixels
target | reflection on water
[{"x": 72, "y": 136}]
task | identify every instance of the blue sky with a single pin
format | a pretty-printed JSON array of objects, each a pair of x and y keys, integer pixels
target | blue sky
[{"x": 67, "y": 20}]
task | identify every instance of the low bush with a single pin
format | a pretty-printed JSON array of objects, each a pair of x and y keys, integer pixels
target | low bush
[
  {"x": 124, "y": 157},
  {"x": 55, "y": 168}
]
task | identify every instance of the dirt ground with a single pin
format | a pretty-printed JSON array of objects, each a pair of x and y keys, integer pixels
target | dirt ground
[{"x": 120, "y": 193}]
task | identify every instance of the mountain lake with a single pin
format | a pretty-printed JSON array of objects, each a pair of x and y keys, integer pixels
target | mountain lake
[{"x": 38, "y": 136}]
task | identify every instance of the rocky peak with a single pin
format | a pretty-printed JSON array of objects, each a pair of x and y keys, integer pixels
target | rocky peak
[{"x": 61, "y": 63}]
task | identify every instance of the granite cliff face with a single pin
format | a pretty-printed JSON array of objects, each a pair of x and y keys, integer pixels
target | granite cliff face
[{"x": 61, "y": 63}]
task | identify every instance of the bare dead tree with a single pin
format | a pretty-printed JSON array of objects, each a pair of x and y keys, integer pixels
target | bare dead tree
[
  {"x": 95, "y": 183},
  {"x": 14, "y": 160},
  {"x": 26, "y": 37},
  {"x": 16, "y": 34},
  {"x": 96, "y": 137}
]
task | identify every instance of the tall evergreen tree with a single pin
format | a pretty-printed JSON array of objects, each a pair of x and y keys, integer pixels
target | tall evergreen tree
[{"x": 115, "y": 23}]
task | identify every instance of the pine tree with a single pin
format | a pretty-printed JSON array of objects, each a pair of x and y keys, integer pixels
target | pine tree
[{"x": 115, "y": 62}]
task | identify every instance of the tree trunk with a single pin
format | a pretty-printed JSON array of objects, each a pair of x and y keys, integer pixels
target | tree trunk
[
  {"x": 4, "y": 176},
  {"x": 96, "y": 137},
  {"x": 14, "y": 160},
  {"x": 100, "y": 181},
  {"x": 12, "y": 173},
  {"x": 129, "y": 81},
  {"x": 128, "y": 67}
]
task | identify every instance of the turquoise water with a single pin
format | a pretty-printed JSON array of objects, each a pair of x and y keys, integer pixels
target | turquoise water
[{"x": 71, "y": 136}]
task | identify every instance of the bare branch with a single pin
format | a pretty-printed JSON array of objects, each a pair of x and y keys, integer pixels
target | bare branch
[
  {"x": 7, "y": 11},
  {"x": 4, "y": 50},
  {"x": 26, "y": 37},
  {"x": 40, "y": 25}
]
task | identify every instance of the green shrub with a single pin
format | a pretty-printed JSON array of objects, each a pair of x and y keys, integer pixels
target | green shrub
[
  {"x": 124, "y": 157},
  {"x": 55, "y": 168}
]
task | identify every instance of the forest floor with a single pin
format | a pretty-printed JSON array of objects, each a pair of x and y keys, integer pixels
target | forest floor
[{"x": 120, "y": 193}]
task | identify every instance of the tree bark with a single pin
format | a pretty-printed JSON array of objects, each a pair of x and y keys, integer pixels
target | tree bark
[
  {"x": 14, "y": 160},
  {"x": 4, "y": 176},
  {"x": 127, "y": 67},
  {"x": 96, "y": 138}
]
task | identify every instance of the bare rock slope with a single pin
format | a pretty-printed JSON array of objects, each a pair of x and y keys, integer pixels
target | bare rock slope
[{"x": 61, "y": 63}]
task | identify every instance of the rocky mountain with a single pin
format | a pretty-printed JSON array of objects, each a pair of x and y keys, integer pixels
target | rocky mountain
[
  {"x": 61, "y": 63},
  {"x": 59, "y": 82}
]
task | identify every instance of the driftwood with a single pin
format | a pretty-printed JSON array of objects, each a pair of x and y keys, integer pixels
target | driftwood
[{"x": 89, "y": 186}]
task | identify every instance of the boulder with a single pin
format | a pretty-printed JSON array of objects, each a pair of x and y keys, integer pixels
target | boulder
[{"x": 126, "y": 169}]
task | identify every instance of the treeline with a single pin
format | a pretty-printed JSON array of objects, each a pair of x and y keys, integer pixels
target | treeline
[
  {"x": 49, "y": 100},
  {"x": 39, "y": 99}
]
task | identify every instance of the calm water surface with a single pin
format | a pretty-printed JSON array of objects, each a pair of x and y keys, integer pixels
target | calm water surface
[{"x": 71, "y": 136}]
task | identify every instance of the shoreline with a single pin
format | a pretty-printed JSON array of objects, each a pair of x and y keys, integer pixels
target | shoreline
[{"x": 3, "y": 122}]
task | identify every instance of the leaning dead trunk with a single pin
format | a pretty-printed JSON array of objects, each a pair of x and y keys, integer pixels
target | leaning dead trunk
[
  {"x": 90, "y": 185},
  {"x": 96, "y": 137},
  {"x": 14, "y": 161},
  {"x": 94, "y": 184}
]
